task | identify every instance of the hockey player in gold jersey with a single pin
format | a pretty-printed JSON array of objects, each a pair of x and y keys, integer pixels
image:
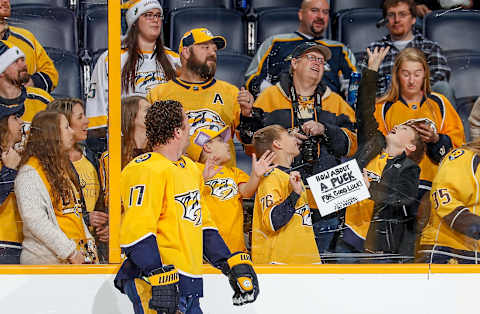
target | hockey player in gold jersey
[
  {"x": 226, "y": 186},
  {"x": 166, "y": 227},
  {"x": 453, "y": 232},
  {"x": 282, "y": 231},
  {"x": 208, "y": 102},
  {"x": 41, "y": 70}
]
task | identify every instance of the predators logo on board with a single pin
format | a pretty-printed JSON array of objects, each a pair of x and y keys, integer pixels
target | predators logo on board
[
  {"x": 204, "y": 119},
  {"x": 306, "y": 215},
  {"x": 223, "y": 188},
  {"x": 192, "y": 210}
]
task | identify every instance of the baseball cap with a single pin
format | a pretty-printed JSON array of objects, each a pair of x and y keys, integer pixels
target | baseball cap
[
  {"x": 308, "y": 46},
  {"x": 201, "y": 35},
  {"x": 203, "y": 136},
  {"x": 8, "y": 55}
]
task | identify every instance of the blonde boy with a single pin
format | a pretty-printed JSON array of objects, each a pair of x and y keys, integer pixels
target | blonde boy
[
  {"x": 225, "y": 187},
  {"x": 282, "y": 225}
]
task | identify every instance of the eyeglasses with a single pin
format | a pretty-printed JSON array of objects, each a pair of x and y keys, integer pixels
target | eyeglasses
[
  {"x": 151, "y": 16},
  {"x": 400, "y": 15},
  {"x": 312, "y": 58}
]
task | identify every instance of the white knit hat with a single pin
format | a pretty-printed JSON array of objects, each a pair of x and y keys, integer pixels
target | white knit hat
[
  {"x": 8, "y": 55},
  {"x": 135, "y": 8}
]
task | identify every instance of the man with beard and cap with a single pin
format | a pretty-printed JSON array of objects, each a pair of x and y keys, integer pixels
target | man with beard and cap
[
  {"x": 208, "y": 103},
  {"x": 13, "y": 72},
  {"x": 273, "y": 56},
  {"x": 40, "y": 68}
]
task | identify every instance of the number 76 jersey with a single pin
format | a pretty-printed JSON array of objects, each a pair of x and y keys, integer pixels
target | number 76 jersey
[{"x": 163, "y": 198}]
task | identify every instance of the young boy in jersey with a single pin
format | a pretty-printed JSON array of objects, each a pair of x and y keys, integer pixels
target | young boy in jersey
[
  {"x": 282, "y": 230},
  {"x": 225, "y": 187},
  {"x": 166, "y": 226}
]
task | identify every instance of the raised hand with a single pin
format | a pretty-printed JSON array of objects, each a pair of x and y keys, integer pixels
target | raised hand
[
  {"x": 264, "y": 164},
  {"x": 11, "y": 158},
  {"x": 211, "y": 168},
  {"x": 245, "y": 100},
  {"x": 376, "y": 57},
  {"x": 296, "y": 182}
]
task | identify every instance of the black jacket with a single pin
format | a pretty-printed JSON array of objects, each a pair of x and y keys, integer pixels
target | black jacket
[{"x": 391, "y": 229}]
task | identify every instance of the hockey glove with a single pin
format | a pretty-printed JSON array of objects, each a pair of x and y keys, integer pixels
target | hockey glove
[
  {"x": 165, "y": 293},
  {"x": 242, "y": 278}
]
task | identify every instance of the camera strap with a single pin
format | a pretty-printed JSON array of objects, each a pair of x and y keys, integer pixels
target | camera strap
[{"x": 317, "y": 104}]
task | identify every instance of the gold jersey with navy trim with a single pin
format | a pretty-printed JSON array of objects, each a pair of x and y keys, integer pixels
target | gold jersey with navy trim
[
  {"x": 148, "y": 75},
  {"x": 435, "y": 107},
  {"x": 37, "y": 100},
  {"x": 294, "y": 243},
  {"x": 225, "y": 204},
  {"x": 456, "y": 188},
  {"x": 163, "y": 198},
  {"x": 211, "y": 104},
  {"x": 39, "y": 65}
]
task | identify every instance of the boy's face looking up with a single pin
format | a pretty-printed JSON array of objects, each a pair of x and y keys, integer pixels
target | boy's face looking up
[
  {"x": 288, "y": 143},
  {"x": 220, "y": 149}
]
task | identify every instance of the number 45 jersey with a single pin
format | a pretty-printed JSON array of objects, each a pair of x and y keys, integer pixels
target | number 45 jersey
[{"x": 162, "y": 198}]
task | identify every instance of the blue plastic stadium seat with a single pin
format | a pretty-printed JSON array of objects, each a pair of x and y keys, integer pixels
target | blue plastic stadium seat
[
  {"x": 171, "y": 5},
  {"x": 53, "y": 27},
  {"x": 230, "y": 24},
  {"x": 69, "y": 71},
  {"x": 453, "y": 30},
  {"x": 50, "y": 3},
  {"x": 95, "y": 30},
  {"x": 356, "y": 28},
  {"x": 336, "y": 6},
  {"x": 230, "y": 68},
  {"x": 260, "y": 5}
]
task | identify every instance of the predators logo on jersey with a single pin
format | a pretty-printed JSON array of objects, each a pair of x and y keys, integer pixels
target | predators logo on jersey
[
  {"x": 192, "y": 210},
  {"x": 306, "y": 215},
  {"x": 148, "y": 80},
  {"x": 204, "y": 119},
  {"x": 456, "y": 153},
  {"x": 372, "y": 176},
  {"x": 223, "y": 188}
]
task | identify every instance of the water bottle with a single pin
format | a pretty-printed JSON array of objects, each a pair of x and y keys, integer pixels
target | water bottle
[{"x": 353, "y": 88}]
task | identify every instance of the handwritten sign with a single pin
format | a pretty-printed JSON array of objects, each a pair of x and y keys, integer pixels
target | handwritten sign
[{"x": 338, "y": 187}]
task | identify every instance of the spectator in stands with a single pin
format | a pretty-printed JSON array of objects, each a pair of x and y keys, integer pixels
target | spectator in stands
[
  {"x": 301, "y": 101},
  {"x": 474, "y": 120},
  {"x": 13, "y": 70},
  {"x": 145, "y": 63},
  {"x": 453, "y": 232},
  {"x": 400, "y": 16},
  {"x": 41, "y": 71},
  {"x": 273, "y": 56},
  {"x": 208, "y": 103},
  {"x": 410, "y": 98},
  {"x": 282, "y": 222},
  {"x": 134, "y": 137},
  {"x": 225, "y": 187},
  {"x": 384, "y": 223},
  {"x": 86, "y": 166},
  {"x": 426, "y": 6},
  {"x": 49, "y": 197},
  {"x": 11, "y": 235}
]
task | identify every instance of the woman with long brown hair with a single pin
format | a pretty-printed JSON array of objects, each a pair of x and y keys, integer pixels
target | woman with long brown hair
[
  {"x": 49, "y": 197},
  {"x": 134, "y": 137},
  {"x": 85, "y": 164},
  {"x": 145, "y": 61},
  {"x": 410, "y": 99},
  {"x": 11, "y": 231}
]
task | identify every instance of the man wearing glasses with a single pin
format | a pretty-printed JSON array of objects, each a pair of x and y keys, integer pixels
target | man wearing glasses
[
  {"x": 400, "y": 16},
  {"x": 303, "y": 104}
]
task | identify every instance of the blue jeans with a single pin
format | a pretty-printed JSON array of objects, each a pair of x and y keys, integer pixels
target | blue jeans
[{"x": 324, "y": 231}]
